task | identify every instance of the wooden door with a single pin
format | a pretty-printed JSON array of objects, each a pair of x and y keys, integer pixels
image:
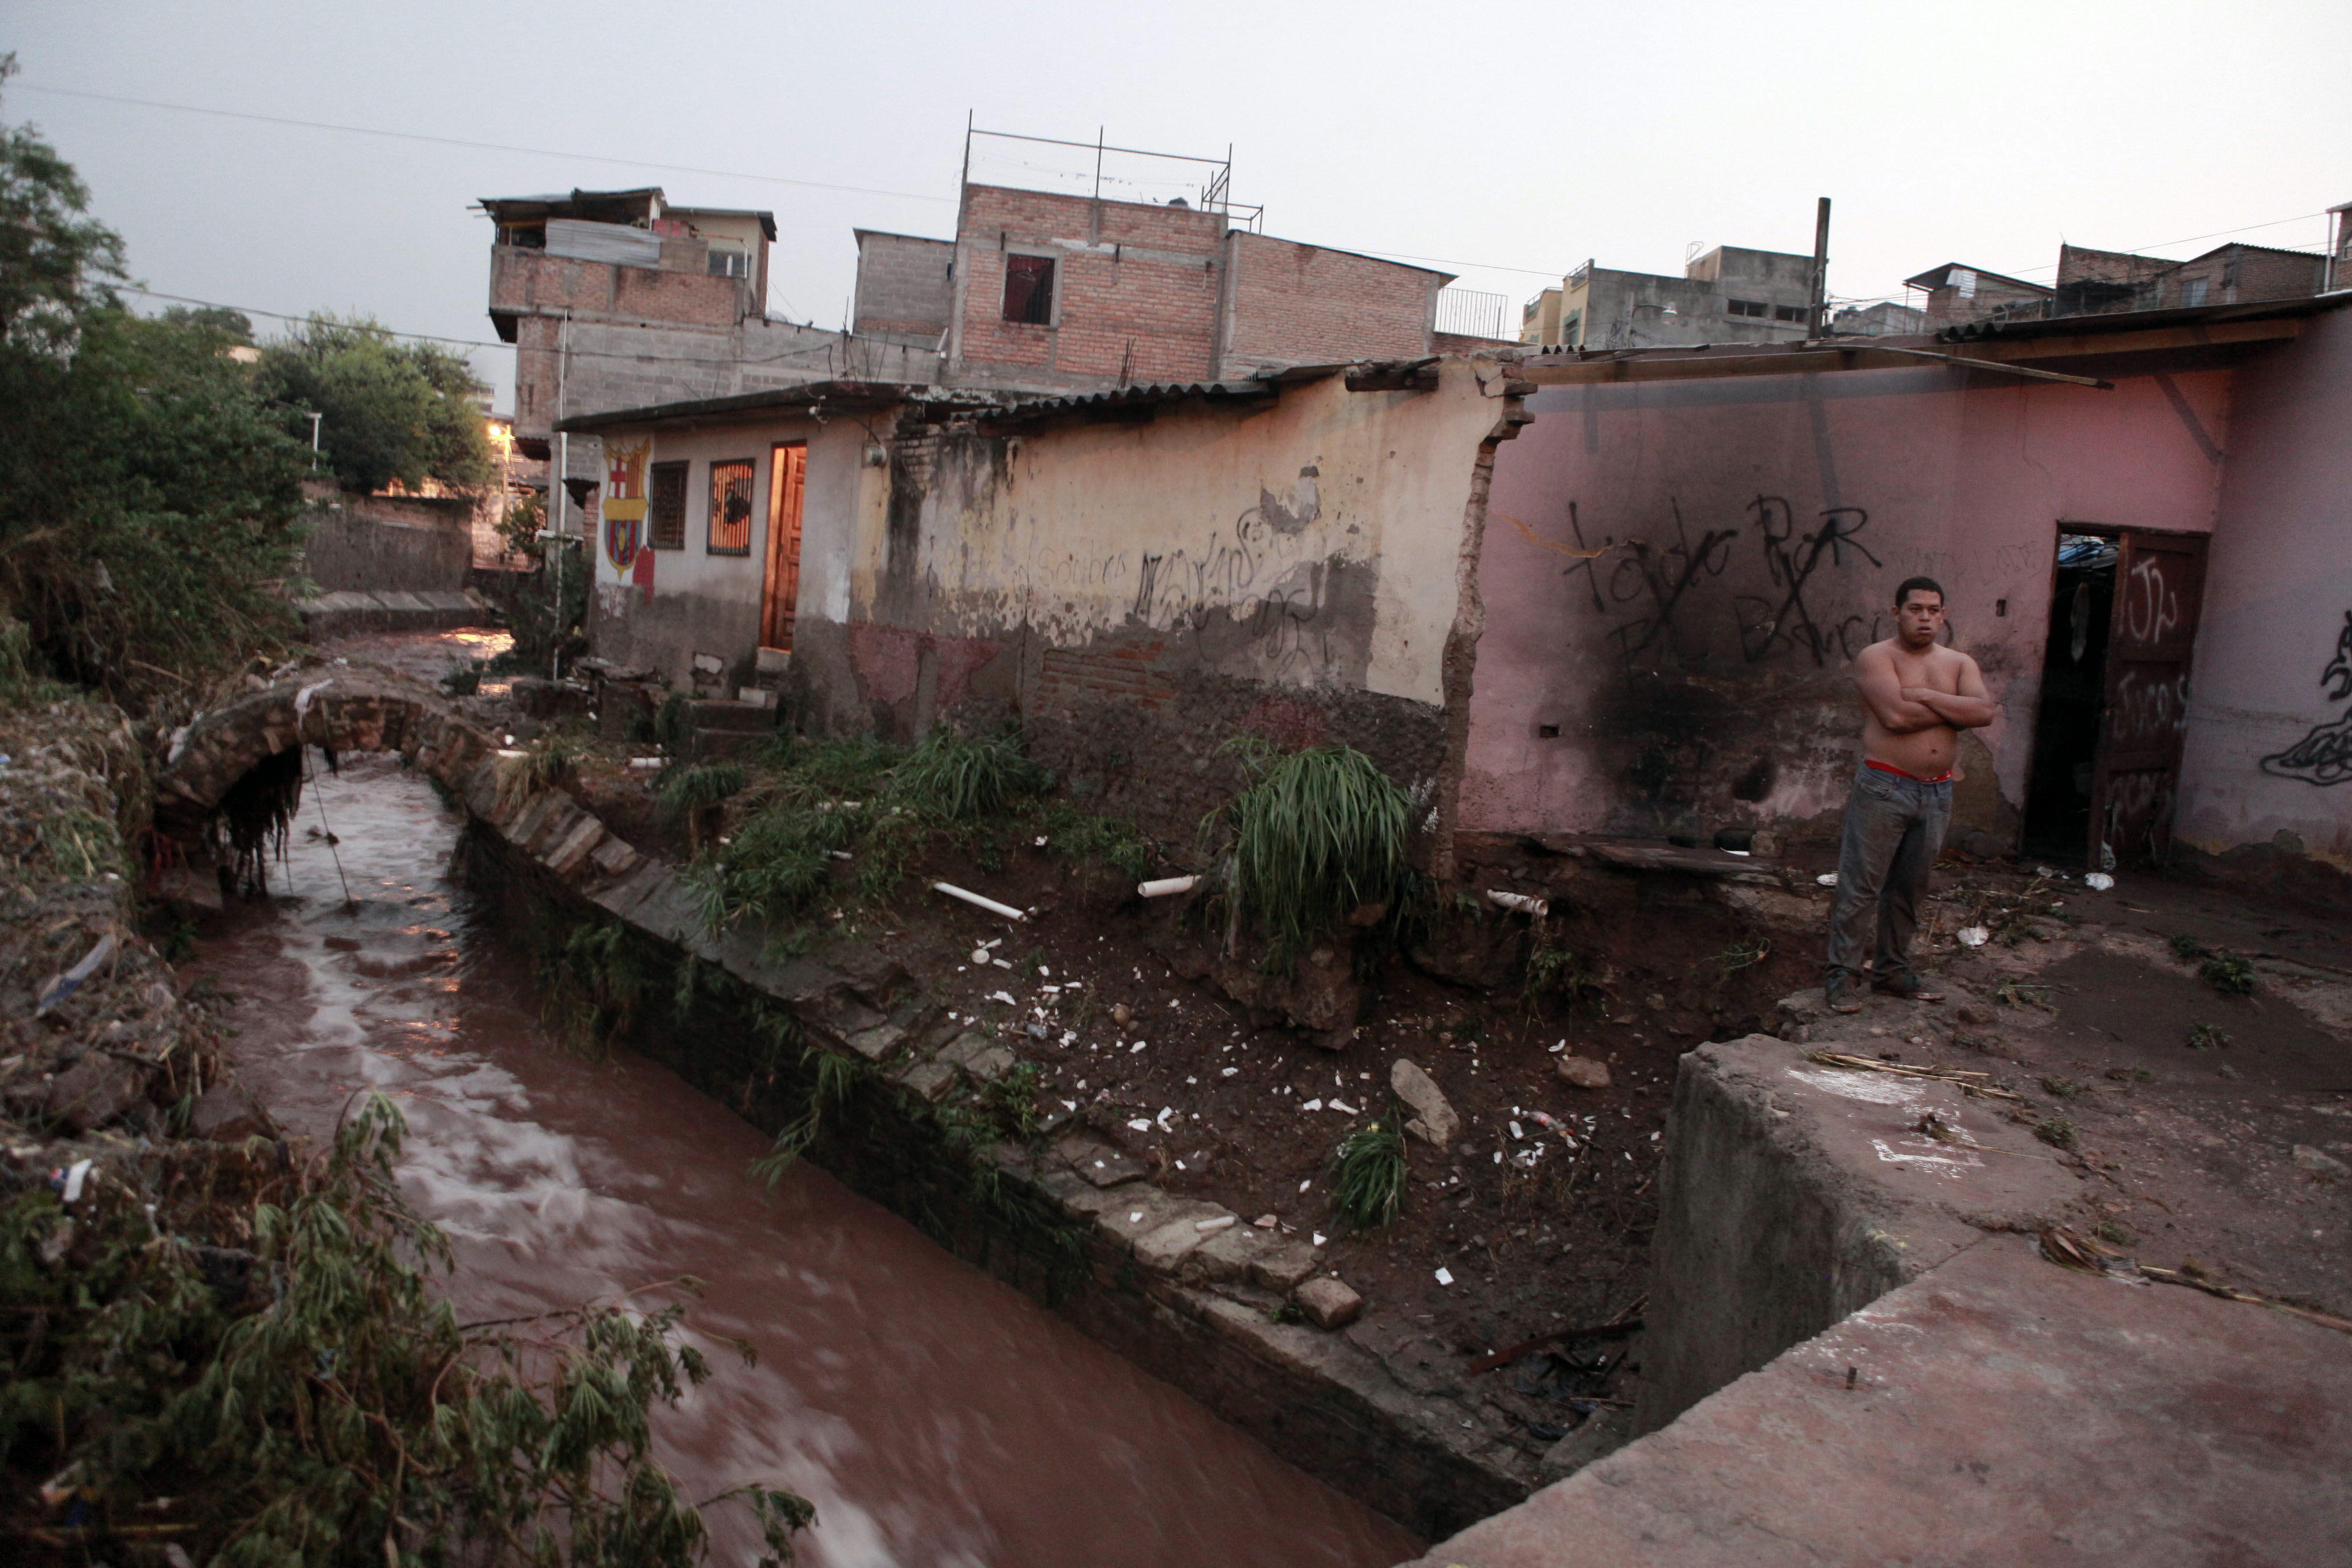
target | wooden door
[
  {"x": 2159, "y": 586},
  {"x": 787, "y": 483}
]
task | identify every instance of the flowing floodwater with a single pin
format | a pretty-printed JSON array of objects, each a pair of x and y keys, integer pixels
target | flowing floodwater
[{"x": 934, "y": 1415}]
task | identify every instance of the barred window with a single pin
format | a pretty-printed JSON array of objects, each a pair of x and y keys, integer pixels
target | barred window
[
  {"x": 730, "y": 507},
  {"x": 666, "y": 513}
]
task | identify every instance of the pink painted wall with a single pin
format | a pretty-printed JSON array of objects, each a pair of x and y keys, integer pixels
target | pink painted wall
[
  {"x": 2269, "y": 755},
  {"x": 1700, "y": 678}
]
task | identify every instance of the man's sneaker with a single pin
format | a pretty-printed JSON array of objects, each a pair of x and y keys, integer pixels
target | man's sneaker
[
  {"x": 1903, "y": 983},
  {"x": 1839, "y": 992}
]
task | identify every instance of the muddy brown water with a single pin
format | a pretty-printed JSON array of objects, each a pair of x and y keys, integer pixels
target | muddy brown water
[{"x": 934, "y": 1415}]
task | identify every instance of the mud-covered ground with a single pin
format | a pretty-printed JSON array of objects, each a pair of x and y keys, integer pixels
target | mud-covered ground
[{"x": 2213, "y": 1150}]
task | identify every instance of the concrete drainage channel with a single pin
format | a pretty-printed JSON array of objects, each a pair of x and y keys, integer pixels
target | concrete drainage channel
[{"x": 1181, "y": 1288}]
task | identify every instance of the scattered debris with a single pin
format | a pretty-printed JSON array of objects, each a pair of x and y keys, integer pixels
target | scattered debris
[
  {"x": 1974, "y": 936},
  {"x": 1583, "y": 1072},
  {"x": 1329, "y": 1303},
  {"x": 66, "y": 984},
  {"x": 1434, "y": 1120},
  {"x": 2066, "y": 1249},
  {"x": 1976, "y": 1083},
  {"x": 2098, "y": 881},
  {"x": 1522, "y": 903},
  {"x": 977, "y": 901},
  {"x": 1166, "y": 887}
]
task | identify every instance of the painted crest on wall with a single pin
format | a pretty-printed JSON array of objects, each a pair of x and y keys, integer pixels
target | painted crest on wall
[{"x": 624, "y": 503}]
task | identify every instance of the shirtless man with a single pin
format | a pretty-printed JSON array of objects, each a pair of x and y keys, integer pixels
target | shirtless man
[{"x": 1917, "y": 698}]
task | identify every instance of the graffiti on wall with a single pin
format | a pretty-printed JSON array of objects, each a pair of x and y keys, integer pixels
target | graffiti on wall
[
  {"x": 1261, "y": 588},
  {"x": 2324, "y": 757},
  {"x": 1650, "y": 591}
]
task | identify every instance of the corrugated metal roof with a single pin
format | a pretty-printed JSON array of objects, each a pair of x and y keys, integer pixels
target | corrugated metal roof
[{"x": 1157, "y": 391}]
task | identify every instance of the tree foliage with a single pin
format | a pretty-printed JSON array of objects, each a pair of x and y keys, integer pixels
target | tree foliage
[
  {"x": 55, "y": 261},
  {"x": 307, "y": 1398},
  {"x": 148, "y": 498},
  {"x": 392, "y": 410}
]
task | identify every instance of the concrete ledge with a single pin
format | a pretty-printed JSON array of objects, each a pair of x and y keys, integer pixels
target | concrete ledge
[
  {"x": 1794, "y": 1194},
  {"x": 346, "y": 612},
  {"x": 2002, "y": 1410}
]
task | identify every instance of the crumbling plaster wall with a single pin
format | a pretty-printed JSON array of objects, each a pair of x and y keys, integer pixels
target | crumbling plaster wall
[
  {"x": 2268, "y": 765},
  {"x": 1696, "y": 672},
  {"x": 1143, "y": 589}
]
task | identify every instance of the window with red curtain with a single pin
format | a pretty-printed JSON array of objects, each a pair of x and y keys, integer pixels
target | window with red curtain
[{"x": 1029, "y": 289}]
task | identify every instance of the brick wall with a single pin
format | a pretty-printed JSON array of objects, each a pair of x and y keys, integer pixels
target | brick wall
[
  {"x": 1303, "y": 305},
  {"x": 2255, "y": 274},
  {"x": 1151, "y": 316},
  {"x": 533, "y": 280}
]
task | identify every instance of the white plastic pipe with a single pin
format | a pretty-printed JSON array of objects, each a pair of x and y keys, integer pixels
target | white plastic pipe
[
  {"x": 1527, "y": 904},
  {"x": 1167, "y": 885},
  {"x": 991, "y": 905}
]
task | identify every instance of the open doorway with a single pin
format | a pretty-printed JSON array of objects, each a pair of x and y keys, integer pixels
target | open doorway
[
  {"x": 2115, "y": 696},
  {"x": 779, "y": 599},
  {"x": 2073, "y": 696}
]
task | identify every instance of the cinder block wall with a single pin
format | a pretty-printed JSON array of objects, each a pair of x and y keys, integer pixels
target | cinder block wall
[{"x": 903, "y": 286}]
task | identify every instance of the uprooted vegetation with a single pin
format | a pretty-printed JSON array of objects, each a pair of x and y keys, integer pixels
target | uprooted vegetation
[
  {"x": 236, "y": 1349},
  {"x": 799, "y": 833},
  {"x": 1320, "y": 837}
]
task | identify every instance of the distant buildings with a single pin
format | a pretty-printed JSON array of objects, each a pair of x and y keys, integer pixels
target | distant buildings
[{"x": 1729, "y": 295}]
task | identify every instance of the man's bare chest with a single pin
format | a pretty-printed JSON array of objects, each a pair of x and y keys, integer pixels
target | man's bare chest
[{"x": 1936, "y": 674}]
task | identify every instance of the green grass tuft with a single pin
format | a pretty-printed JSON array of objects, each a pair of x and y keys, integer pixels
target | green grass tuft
[
  {"x": 962, "y": 778},
  {"x": 2228, "y": 974},
  {"x": 1319, "y": 834},
  {"x": 1367, "y": 1172}
]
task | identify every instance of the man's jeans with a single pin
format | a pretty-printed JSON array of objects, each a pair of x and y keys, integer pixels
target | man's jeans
[{"x": 1894, "y": 827}]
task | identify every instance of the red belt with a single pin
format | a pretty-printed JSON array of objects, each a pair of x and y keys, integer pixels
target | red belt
[{"x": 1944, "y": 777}]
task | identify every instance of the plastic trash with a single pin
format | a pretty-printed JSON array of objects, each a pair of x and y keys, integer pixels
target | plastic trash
[
  {"x": 1516, "y": 1134},
  {"x": 74, "y": 1175},
  {"x": 1222, "y": 1222},
  {"x": 968, "y": 896},
  {"x": 1312, "y": 1105},
  {"x": 1338, "y": 1104},
  {"x": 1974, "y": 936},
  {"x": 1166, "y": 885},
  {"x": 1445, "y": 1276},
  {"x": 1826, "y": 880},
  {"x": 1525, "y": 904},
  {"x": 979, "y": 955},
  {"x": 2098, "y": 881},
  {"x": 66, "y": 984}
]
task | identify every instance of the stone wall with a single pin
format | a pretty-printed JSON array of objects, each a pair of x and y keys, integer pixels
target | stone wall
[{"x": 400, "y": 543}]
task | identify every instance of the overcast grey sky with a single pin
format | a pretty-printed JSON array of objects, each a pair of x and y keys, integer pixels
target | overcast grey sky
[{"x": 1507, "y": 135}]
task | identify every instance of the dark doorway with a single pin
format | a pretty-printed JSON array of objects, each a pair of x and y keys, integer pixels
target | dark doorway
[
  {"x": 2114, "y": 698},
  {"x": 2074, "y": 699}
]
